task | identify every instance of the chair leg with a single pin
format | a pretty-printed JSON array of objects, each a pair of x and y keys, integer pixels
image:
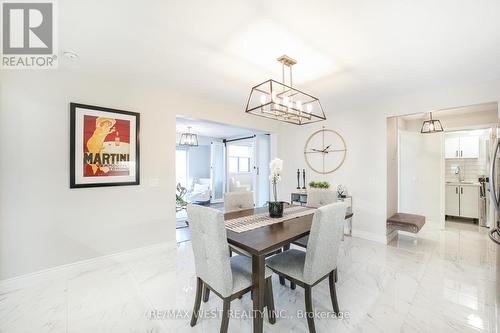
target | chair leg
[
  {"x": 282, "y": 280},
  {"x": 333, "y": 292},
  {"x": 270, "y": 301},
  {"x": 292, "y": 285},
  {"x": 309, "y": 309},
  {"x": 206, "y": 294},
  {"x": 225, "y": 315},
  {"x": 230, "y": 252},
  {"x": 197, "y": 302}
]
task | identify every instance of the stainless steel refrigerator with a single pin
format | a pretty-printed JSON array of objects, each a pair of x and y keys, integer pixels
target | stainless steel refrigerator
[{"x": 494, "y": 188}]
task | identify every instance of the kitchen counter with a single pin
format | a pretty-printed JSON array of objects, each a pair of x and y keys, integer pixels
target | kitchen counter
[{"x": 463, "y": 183}]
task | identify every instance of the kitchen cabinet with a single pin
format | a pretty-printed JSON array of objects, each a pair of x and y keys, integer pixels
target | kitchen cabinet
[
  {"x": 461, "y": 147},
  {"x": 462, "y": 200},
  {"x": 451, "y": 147},
  {"x": 452, "y": 196},
  {"x": 469, "y": 147},
  {"x": 469, "y": 201}
]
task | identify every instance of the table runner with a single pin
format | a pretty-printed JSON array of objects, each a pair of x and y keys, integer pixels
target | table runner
[{"x": 246, "y": 223}]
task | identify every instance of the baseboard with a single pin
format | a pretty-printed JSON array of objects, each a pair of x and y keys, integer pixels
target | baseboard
[
  {"x": 369, "y": 236},
  {"x": 90, "y": 261}
]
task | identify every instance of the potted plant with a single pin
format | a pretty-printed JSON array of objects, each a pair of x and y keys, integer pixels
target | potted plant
[
  {"x": 275, "y": 207},
  {"x": 322, "y": 185}
]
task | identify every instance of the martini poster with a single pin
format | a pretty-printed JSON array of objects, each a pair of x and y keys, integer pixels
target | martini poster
[{"x": 105, "y": 146}]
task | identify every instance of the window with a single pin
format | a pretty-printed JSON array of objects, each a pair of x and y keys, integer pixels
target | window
[{"x": 239, "y": 158}]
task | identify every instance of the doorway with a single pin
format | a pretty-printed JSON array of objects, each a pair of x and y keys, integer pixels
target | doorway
[
  {"x": 442, "y": 175},
  {"x": 225, "y": 158}
]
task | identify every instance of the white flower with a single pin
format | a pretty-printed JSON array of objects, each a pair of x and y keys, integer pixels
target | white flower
[
  {"x": 276, "y": 166},
  {"x": 276, "y": 178}
]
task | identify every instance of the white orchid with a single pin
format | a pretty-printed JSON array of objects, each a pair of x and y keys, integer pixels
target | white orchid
[{"x": 276, "y": 166}]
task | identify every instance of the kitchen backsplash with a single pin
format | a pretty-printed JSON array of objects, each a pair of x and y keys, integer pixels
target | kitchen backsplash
[{"x": 471, "y": 168}]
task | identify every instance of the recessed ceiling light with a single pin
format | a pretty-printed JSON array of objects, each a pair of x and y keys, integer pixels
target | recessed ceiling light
[{"x": 72, "y": 56}]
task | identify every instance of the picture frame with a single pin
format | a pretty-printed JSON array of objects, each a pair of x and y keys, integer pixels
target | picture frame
[{"x": 104, "y": 146}]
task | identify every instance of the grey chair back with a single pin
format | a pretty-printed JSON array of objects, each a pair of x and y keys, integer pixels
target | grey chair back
[
  {"x": 320, "y": 197},
  {"x": 324, "y": 241},
  {"x": 210, "y": 247},
  {"x": 234, "y": 201}
]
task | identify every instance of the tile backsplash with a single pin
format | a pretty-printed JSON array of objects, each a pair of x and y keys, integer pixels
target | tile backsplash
[{"x": 471, "y": 168}]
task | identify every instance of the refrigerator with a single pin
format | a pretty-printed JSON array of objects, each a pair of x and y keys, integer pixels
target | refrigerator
[{"x": 494, "y": 187}]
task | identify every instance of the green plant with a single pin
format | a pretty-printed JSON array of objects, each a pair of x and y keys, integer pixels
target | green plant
[{"x": 324, "y": 185}]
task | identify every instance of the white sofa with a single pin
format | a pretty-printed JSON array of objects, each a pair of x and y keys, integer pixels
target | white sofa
[{"x": 199, "y": 191}]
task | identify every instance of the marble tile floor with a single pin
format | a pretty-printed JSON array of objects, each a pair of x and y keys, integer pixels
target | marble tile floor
[{"x": 441, "y": 281}]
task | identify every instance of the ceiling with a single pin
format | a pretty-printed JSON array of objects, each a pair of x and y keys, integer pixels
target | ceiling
[
  {"x": 348, "y": 51},
  {"x": 212, "y": 129}
]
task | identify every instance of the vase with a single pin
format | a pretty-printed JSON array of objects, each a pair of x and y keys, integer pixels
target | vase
[{"x": 276, "y": 208}]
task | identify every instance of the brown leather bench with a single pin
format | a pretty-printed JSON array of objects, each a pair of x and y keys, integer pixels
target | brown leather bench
[{"x": 405, "y": 222}]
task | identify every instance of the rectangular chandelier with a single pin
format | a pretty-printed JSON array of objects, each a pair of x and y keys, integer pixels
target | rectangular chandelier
[{"x": 275, "y": 100}]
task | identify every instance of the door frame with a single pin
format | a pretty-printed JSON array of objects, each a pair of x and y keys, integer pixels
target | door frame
[{"x": 212, "y": 170}]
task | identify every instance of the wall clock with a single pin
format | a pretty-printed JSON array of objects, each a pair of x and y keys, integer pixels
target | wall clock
[{"x": 325, "y": 151}]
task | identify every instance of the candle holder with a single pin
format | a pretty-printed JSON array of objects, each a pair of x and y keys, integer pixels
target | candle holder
[
  {"x": 304, "y": 178},
  {"x": 298, "y": 179}
]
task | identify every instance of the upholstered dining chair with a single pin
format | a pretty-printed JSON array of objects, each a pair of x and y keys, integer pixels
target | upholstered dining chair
[
  {"x": 316, "y": 198},
  {"x": 227, "y": 277},
  {"x": 308, "y": 268},
  {"x": 234, "y": 201}
]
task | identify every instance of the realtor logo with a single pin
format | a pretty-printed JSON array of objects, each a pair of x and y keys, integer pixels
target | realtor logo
[{"x": 28, "y": 32}]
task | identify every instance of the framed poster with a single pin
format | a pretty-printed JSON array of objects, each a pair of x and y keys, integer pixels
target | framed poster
[{"x": 104, "y": 146}]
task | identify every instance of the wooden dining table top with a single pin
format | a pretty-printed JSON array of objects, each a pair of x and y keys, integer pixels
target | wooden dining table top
[{"x": 266, "y": 239}]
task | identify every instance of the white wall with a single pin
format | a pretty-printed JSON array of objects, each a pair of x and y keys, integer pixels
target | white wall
[
  {"x": 392, "y": 165},
  {"x": 199, "y": 161},
  {"x": 42, "y": 222},
  {"x": 420, "y": 182},
  {"x": 365, "y": 131}
]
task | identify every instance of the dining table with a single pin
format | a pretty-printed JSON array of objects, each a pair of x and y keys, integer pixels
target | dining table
[{"x": 262, "y": 241}]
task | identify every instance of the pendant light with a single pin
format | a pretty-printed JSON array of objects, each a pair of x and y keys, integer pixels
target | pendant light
[
  {"x": 431, "y": 125},
  {"x": 280, "y": 101},
  {"x": 188, "y": 139}
]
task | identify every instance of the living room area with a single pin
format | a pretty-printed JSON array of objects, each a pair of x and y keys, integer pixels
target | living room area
[{"x": 212, "y": 159}]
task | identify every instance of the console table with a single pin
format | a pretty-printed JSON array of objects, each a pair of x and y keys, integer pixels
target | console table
[{"x": 301, "y": 199}]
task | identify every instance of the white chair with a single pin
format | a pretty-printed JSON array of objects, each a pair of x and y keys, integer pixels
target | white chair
[
  {"x": 320, "y": 197},
  {"x": 228, "y": 278},
  {"x": 235, "y": 201},
  {"x": 316, "y": 198},
  {"x": 309, "y": 268}
]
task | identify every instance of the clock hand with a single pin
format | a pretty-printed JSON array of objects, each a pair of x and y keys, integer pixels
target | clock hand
[
  {"x": 324, "y": 150},
  {"x": 334, "y": 150}
]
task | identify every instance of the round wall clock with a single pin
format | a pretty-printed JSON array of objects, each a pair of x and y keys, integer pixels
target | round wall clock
[{"x": 325, "y": 151}]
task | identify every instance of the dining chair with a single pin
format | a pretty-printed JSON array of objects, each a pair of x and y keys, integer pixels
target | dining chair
[
  {"x": 316, "y": 198},
  {"x": 234, "y": 201},
  {"x": 308, "y": 268},
  {"x": 227, "y": 277}
]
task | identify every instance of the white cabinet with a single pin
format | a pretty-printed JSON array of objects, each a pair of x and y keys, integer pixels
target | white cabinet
[
  {"x": 452, "y": 196},
  {"x": 461, "y": 147},
  {"x": 452, "y": 147},
  {"x": 469, "y": 201},
  {"x": 469, "y": 147},
  {"x": 462, "y": 200}
]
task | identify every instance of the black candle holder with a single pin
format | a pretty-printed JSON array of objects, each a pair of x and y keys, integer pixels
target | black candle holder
[
  {"x": 304, "y": 177},
  {"x": 298, "y": 179}
]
